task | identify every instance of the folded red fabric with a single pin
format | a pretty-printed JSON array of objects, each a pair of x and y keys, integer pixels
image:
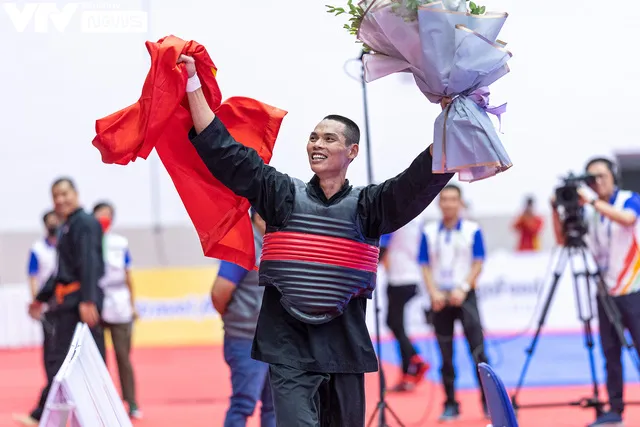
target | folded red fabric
[{"x": 161, "y": 120}]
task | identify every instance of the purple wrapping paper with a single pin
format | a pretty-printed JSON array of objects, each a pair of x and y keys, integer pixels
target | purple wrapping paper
[{"x": 450, "y": 54}]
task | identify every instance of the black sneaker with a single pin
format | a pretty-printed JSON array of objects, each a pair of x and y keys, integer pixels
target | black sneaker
[{"x": 451, "y": 411}]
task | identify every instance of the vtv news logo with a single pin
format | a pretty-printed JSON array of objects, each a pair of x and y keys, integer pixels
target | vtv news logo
[{"x": 48, "y": 17}]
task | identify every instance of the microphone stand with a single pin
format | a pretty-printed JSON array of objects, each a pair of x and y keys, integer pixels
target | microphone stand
[{"x": 382, "y": 407}]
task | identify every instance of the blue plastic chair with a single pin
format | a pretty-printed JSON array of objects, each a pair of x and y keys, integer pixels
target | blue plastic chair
[{"x": 498, "y": 401}]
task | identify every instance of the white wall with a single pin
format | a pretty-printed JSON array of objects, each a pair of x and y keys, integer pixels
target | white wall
[{"x": 571, "y": 95}]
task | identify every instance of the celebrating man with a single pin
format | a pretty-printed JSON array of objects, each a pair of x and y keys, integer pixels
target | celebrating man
[{"x": 319, "y": 259}]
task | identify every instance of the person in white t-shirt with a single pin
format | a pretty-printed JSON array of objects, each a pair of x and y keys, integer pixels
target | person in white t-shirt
[
  {"x": 613, "y": 238},
  {"x": 452, "y": 254},
  {"x": 403, "y": 278},
  {"x": 118, "y": 311}
]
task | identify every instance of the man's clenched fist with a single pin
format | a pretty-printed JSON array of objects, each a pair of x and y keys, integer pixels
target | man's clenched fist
[{"x": 190, "y": 64}]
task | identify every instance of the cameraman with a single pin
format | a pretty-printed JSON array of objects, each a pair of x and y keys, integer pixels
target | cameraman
[{"x": 613, "y": 234}]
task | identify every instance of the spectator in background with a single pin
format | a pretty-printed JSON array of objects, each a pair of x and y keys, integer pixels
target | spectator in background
[
  {"x": 528, "y": 225},
  {"x": 237, "y": 297},
  {"x": 42, "y": 257},
  {"x": 452, "y": 254},
  {"x": 611, "y": 214},
  {"x": 118, "y": 310},
  {"x": 42, "y": 264},
  {"x": 72, "y": 291},
  {"x": 403, "y": 278}
]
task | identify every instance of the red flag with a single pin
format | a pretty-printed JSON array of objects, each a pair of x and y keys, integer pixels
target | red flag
[{"x": 161, "y": 120}]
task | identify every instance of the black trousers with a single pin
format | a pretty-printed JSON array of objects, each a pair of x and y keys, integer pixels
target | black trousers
[
  {"x": 629, "y": 307},
  {"x": 398, "y": 296},
  {"x": 64, "y": 324},
  {"x": 443, "y": 323},
  {"x": 310, "y": 399},
  {"x": 47, "y": 334}
]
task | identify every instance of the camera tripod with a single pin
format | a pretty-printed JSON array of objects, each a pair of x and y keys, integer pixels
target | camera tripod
[
  {"x": 382, "y": 407},
  {"x": 577, "y": 247}
]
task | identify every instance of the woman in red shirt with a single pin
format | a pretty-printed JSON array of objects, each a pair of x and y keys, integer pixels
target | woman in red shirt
[{"x": 528, "y": 225}]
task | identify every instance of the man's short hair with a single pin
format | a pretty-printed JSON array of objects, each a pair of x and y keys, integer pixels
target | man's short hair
[
  {"x": 102, "y": 205},
  {"x": 47, "y": 215},
  {"x": 351, "y": 129},
  {"x": 62, "y": 180},
  {"x": 454, "y": 188}
]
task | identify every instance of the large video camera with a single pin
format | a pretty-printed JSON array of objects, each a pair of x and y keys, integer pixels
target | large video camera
[{"x": 574, "y": 226}]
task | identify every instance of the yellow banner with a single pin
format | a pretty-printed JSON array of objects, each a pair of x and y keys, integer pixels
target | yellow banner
[{"x": 174, "y": 307}]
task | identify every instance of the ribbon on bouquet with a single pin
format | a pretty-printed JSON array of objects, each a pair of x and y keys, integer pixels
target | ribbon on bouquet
[{"x": 481, "y": 97}]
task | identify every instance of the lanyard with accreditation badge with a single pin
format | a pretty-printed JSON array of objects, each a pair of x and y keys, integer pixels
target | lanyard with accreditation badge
[
  {"x": 445, "y": 275},
  {"x": 604, "y": 251}
]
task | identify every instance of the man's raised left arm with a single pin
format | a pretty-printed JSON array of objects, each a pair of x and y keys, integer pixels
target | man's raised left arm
[{"x": 386, "y": 207}]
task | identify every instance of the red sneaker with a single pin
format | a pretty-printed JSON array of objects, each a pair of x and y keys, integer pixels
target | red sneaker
[{"x": 418, "y": 369}]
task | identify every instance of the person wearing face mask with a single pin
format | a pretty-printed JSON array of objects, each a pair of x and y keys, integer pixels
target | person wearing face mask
[
  {"x": 119, "y": 309},
  {"x": 42, "y": 264},
  {"x": 452, "y": 254},
  {"x": 72, "y": 292},
  {"x": 613, "y": 238},
  {"x": 42, "y": 257}
]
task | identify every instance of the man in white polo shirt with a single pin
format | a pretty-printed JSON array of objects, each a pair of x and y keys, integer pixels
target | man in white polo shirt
[
  {"x": 452, "y": 254},
  {"x": 403, "y": 278},
  {"x": 613, "y": 238}
]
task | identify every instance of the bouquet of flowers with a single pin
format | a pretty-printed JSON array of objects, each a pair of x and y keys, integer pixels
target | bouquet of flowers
[{"x": 451, "y": 48}]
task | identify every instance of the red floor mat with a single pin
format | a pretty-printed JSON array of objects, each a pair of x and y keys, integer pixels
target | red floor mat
[{"x": 190, "y": 387}]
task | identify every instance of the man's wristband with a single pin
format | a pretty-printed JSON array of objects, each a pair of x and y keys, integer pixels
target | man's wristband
[{"x": 193, "y": 83}]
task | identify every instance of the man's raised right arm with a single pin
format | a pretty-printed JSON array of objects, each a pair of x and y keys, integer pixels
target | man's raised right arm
[{"x": 237, "y": 167}]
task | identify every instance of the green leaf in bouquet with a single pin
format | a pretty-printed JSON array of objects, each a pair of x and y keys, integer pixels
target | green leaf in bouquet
[
  {"x": 472, "y": 6},
  {"x": 356, "y": 13},
  {"x": 482, "y": 10}
]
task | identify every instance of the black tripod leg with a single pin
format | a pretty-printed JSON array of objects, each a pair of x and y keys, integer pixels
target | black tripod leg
[
  {"x": 395, "y": 417},
  {"x": 382, "y": 407},
  {"x": 560, "y": 267},
  {"x": 373, "y": 415},
  {"x": 586, "y": 318}
]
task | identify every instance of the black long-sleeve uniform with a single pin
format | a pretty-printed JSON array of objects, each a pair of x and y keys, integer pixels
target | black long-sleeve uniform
[
  {"x": 343, "y": 345},
  {"x": 80, "y": 259}
]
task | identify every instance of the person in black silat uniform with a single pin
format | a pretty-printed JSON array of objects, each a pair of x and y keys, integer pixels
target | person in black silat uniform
[
  {"x": 319, "y": 259},
  {"x": 72, "y": 291}
]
